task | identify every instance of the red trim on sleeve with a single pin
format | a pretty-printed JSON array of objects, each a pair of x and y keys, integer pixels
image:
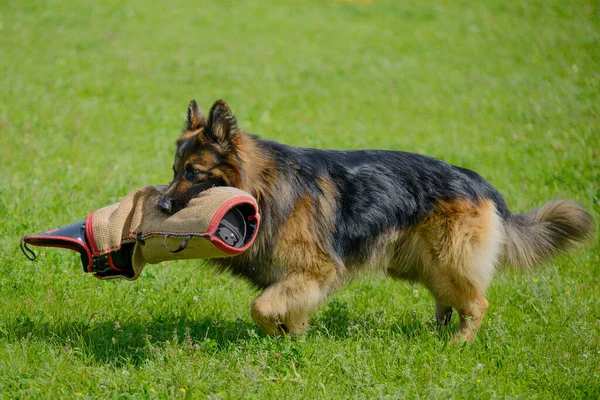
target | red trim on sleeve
[
  {"x": 89, "y": 233},
  {"x": 80, "y": 245},
  {"x": 216, "y": 220}
]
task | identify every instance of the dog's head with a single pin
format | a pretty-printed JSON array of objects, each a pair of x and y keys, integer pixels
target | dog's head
[{"x": 206, "y": 156}]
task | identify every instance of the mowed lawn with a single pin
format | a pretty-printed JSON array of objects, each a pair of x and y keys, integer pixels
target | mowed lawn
[{"x": 92, "y": 98}]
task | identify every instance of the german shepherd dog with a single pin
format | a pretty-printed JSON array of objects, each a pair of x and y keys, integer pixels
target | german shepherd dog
[{"x": 329, "y": 214}]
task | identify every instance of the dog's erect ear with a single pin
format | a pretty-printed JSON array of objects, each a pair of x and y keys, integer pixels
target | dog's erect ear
[
  {"x": 195, "y": 118},
  {"x": 222, "y": 123}
]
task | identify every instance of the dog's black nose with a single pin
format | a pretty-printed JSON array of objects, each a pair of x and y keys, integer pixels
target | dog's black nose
[{"x": 164, "y": 205}]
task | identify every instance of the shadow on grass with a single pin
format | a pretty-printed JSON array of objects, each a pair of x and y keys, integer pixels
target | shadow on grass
[
  {"x": 134, "y": 342},
  {"x": 336, "y": 321}
]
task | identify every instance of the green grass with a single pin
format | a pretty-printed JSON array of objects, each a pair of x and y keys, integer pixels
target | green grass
[{"x": 92, "y": 97}]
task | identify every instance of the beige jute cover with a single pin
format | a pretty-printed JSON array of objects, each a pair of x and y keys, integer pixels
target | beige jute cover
[{"x": 137, "y": 219}]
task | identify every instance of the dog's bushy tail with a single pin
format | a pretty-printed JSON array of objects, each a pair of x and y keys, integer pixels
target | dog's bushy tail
[{"x": 536, "y": 236}]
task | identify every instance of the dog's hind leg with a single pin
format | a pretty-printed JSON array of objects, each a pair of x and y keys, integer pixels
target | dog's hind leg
[
  {"x": 443, "y": 313},
  {"x": 465, "y": 298},
  {"x": 471, "y": 316},
  {"x": 459, "y": 244}
]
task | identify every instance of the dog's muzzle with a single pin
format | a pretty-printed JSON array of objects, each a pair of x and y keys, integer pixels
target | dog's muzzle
[{"x": 169, "y": 204}]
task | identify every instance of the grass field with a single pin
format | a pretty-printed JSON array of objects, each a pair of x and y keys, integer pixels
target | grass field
[{"x": 92, "y": 97}]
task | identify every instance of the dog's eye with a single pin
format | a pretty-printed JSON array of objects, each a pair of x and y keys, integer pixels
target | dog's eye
[{"x": 193, "y": 174}]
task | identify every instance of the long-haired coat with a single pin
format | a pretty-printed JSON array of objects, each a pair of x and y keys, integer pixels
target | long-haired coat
[{"x": 328, "y": 214}]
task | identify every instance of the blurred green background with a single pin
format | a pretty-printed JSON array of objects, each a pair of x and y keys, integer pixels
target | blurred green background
[{"x": 92, "y": 98}]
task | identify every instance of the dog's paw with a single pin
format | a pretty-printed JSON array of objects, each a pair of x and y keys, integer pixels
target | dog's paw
[
  {"x": 443, "y": 314},
  {"x": 274, "y": 318},
  {"x": 462, "y": 337},
  {"x": 269, "y": 316}
]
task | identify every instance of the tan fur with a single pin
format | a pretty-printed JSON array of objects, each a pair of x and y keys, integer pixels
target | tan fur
[
  {"x": 188, "y": 134},
  {"x": 195, "y": 119},
  {"x": 311, "y": 275},
  {"x": 538, "y": 235},
  {"x": 453, "y": 252},
  {"x": 383, "y": 249},
  {"x": 260, "y": 172}
]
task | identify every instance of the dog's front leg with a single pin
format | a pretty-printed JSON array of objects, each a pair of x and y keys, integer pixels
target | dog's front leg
[{"x": 285, "y": 306}]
